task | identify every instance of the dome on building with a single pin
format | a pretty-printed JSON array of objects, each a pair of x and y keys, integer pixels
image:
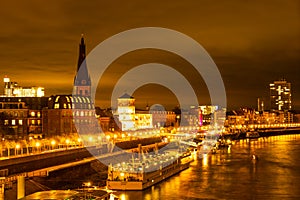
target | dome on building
[{"x": 70, "y": 102}]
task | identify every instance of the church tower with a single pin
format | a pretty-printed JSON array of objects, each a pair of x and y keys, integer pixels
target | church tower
[{"x": 82, "y": 82}]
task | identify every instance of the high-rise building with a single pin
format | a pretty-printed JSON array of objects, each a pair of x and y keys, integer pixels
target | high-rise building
[
  {"x": 260, "y": 104},
  {"x": 280, "y": 95},
  {"x": 82, "y": 82}
]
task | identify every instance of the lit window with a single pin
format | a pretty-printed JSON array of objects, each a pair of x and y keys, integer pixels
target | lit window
[
  {"x": 38, "y": 114},
  {"x": 65, "y": 106},
  {"x": 13, "y": 122},
  {"x": 56, "y": 106},
  {"x": 6, "y": 122},
  {"x": 32, "y": 114},
  {"x": 32, "y": 122},
  {"x": 20, "y": 122},
  {"x": 39, "y": 122},
  {"x": 57, "y": 98}
]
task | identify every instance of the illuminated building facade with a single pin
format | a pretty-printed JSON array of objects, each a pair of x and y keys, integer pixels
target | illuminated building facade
[
  {"x": 280, "y": 95},
  {"x": 206, "y": 113},
  {"x": 21, "y": 117},
  {"x": 162, "y": 118},
  {"x": 64, "y": 111},
  {"x": 130, "y": 120},
  {"x": 12, "y": 89}
]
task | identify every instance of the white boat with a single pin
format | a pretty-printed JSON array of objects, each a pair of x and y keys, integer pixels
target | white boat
[{"x": 138, "y": 175}]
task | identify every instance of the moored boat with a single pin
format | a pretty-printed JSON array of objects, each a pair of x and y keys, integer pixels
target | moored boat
[
  {"x": 252, "y": 134},
  {"x": 138, "y": 175}
]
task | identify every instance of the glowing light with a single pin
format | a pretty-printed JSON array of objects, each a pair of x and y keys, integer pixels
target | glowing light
[
  {"x": 53, "y": 142},
  {"x": 6, "y": 80}
]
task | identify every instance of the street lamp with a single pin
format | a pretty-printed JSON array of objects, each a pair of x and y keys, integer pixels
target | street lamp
[
  {"x": 16, "y": 149},
  {"x": 53, "y": 143},
  {"x": 37, "y": 144},
  {"x": 67, "y": 142}
]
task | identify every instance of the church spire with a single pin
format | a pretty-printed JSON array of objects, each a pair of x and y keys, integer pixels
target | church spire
[
  {"x": 82, "y": 82},
  {"x": 82, "y": 54}
]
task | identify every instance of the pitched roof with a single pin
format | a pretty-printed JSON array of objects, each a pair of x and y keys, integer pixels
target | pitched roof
[{"x": 126, "y": 96}]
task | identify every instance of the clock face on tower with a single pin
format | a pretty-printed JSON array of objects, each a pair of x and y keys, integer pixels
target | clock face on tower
[{"x": 83, "y": 82}]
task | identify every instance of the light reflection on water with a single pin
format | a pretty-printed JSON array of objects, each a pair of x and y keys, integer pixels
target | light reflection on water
[{"x": 233, "y": 174}]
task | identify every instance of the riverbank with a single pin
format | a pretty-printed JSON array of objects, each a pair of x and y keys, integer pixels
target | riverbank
[{"x": 262, "y": 133}]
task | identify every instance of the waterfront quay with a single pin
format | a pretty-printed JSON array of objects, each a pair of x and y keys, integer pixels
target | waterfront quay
[{"x": 263, "y": 130}]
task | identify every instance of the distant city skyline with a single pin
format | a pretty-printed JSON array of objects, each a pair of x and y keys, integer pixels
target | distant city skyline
[{"x": 252, "y": 43}]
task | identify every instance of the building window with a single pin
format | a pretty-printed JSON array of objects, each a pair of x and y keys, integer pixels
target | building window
[
  {"x": 6, "y": 122},
  {"x": 38, "y": 114},
  {"x": 32, "y": 114},
  {"x": 20, "y": 122},
  {"x": 32, "y": 122},
  {"x": 65, "y": 106},
  {"x": 13, "y": 122},
  {"x": 56, "y": 106},
  {"x": 39, "y": 122}
]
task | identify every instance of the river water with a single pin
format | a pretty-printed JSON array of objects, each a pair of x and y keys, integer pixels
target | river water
[{"x": 233, "y": 174}]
